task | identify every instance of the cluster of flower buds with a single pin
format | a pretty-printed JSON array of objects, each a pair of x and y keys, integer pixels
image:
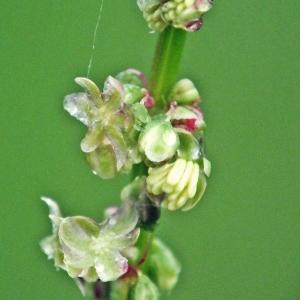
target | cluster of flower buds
[{"x": 184, "y": 14}]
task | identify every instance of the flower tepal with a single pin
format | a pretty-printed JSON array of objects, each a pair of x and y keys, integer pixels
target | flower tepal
[{"x": 184, "y": 14}]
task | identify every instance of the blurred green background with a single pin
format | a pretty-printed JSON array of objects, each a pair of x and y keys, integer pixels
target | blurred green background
[{"x": 243, "y": 241}]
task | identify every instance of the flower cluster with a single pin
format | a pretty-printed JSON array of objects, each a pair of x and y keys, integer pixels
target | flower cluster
[
  {"x": 123, "y": 130},
  {"x": 184, "y": 14}
]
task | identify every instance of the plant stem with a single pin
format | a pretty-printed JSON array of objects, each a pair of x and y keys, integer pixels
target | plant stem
[
  {"x": 164, "y": 74},
  {"x": 166, "y": 63}
]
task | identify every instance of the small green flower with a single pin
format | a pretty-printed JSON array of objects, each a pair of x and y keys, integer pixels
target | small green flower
[
  {"x": 182, "y": 183},
  {"x": 88, "y": 250},
  {"x": 112, "y": 121}
]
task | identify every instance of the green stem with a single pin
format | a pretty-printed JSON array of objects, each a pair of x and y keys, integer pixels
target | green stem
[
  {"x": 163, "y": 76},
  {"x": 166, "y": 63}
]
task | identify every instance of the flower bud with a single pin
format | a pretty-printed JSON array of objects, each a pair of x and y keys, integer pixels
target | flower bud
[
  {"x": 159, "y": 141},
  {"x": 186, "y": 117},
  {"x": 133, "y": 93},
  {"x": 133, "y": 76},
  {"x": 185, "y": 92},
  {"x": 183, "y": 183},
  {"x": 162, "y": 266},
  {"x": 145, "y": 289}
]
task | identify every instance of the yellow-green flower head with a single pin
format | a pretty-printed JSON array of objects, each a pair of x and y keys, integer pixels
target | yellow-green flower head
[
  {"x": 182, "y": 182},
  {"x": 184, "y": 14}
]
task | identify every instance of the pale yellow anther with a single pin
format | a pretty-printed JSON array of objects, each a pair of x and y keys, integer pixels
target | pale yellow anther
[
  {"x": 167, "y": 188},
  {"x": 185, "y": 177},
  {"x": 182, "y": 199},
  {"x": 180, "y": 8},
  {"x": 171, "y": 14},
  {"x": 192, "y": 188},
  {"x": 172, "y": 206},
  {"x": 173, "y": 196},
  {"x": 176, "y": 172},
  {"x": 157, "y": 188}
]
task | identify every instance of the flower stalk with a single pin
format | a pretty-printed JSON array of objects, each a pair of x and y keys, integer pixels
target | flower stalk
[{"x": 166, "y": 63}]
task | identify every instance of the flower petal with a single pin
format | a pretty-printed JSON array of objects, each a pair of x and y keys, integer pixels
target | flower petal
[
  {"x": 103, "y": 161},
  {"x": 122, "y": 222},
  {"x": 91, "y": 88},
  {"x": 110, "y": 265},
  {"x": 80, "y": 106},
  {"x": 92, "y": 140},
  {"x": 54, "y": 213},
  {"x": 77, "y": 232}
]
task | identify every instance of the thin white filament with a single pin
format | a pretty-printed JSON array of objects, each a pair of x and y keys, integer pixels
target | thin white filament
[{"x": 95, "y": 37}]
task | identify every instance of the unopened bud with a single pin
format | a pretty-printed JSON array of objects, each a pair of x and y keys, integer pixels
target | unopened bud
[
  {"x": 159, "y": 140},
  {"x": 185, "y": 92}
]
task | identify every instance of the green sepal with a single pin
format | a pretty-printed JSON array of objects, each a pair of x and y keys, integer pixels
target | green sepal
[
  {"x": 141, "y": 115},
  {"x": 91, "y": 88},
  {"x": 189, "y": 148},
  {"x": 120, "y": 290},
  {"x": 133, "y": 191},
  {"x": 144, "y": 289},
  {"x": 113, "y": 93},
  {"x": 77, "y": 232},
  {"x": 133, "y": 93},
  {"x": 201, "y": 187},
  {"x": 103, "y": 162}
]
